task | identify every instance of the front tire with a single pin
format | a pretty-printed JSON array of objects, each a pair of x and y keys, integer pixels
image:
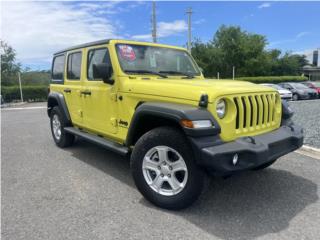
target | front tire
[
  {"x": 295, "y": 97},
  {"x": 57, "y": 123},
  {"x": 164, "y": 169}
]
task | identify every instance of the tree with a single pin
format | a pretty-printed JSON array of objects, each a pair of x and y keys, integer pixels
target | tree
[
  {"x": 9, "y": 66},
  {"x": 232, "y": 46}
]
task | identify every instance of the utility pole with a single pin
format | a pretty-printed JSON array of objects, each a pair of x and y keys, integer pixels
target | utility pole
[
  {"x": 154, "y": 22},
  {"x": 189, "y": 12},
  {"x": 19, "y": 77},
  {"x": 218, "y": 75},
  {"x": 233, "y": 72}
]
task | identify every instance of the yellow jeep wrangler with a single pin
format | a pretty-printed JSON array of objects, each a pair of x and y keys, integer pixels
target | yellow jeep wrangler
[{"x": 151, "y": 102}]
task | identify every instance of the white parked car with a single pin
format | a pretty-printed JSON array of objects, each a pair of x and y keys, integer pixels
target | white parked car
[{"x": 284, "y": 93}]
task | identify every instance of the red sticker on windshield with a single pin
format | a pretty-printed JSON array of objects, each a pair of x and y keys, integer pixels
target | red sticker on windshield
[{"x": 127, "y": 52}]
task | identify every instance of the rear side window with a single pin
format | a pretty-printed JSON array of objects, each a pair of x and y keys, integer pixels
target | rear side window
[
  {"x": 74, "y": 66},
  {"x": 58, "y": 68},
  {"x": 96, "y": 56}
]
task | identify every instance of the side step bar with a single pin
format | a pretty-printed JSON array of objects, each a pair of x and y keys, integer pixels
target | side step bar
[{"x": 115, "y": 147}]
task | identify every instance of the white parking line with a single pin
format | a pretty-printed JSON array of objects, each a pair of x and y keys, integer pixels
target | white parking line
[{"x": 22, "y": 108}]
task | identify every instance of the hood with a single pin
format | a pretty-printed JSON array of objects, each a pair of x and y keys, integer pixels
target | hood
[{"x": 192, "y": 89}]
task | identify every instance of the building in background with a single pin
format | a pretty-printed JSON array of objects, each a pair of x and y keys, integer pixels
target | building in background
[
  {"x": 312, "y": 71},
  {"x": 315, "y": 58}
]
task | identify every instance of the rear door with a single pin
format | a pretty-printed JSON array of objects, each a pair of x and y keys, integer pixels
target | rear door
[{"x": 73, "y": 86}]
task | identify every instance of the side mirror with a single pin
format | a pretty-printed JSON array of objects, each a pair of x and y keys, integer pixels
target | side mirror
[{"x": 103, "y": 71}]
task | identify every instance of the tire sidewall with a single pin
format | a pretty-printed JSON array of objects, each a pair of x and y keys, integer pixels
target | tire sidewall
[
  {"x": 63, "y": 141},
  {"x": 174, "y": 139}
]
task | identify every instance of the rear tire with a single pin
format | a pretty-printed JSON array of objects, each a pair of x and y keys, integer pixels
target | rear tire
[
  {"x": 57, "y": 123},
  {"x": 164, "y": 170}
]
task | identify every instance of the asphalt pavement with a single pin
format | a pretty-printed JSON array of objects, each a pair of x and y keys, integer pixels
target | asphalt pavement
[
  {"x": 86, "y": 192},
  {"x": 307, "y": 114}
]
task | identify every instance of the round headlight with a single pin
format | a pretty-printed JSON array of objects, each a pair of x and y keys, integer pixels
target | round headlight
[{"x": 221, "y": 108}]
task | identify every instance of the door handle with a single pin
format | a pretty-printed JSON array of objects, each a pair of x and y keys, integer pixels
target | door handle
[
  {"x": 86, "y": 92},
  {"x": 67, "y": 90}
]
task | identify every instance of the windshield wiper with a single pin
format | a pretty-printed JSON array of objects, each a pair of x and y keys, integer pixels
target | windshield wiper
[
  {"x": 188, "y": 75},
  {"x": 147, "y": 72}
]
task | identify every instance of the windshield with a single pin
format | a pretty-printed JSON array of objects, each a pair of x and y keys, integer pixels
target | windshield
[
  {"x": 299, "y": 86},
  {"x": 143, "y": 59}
]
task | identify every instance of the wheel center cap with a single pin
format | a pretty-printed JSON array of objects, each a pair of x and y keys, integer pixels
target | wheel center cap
[{"x": 165, "y": 170}]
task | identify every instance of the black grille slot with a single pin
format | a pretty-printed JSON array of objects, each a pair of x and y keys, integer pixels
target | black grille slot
[
  {"x": 252, "y": 111},
  {"x": 237, "y": 115},
  {"x": 263, "y": 110},
  {"x": 244, "y": 112},
  {"x": 258, "y": 110}
]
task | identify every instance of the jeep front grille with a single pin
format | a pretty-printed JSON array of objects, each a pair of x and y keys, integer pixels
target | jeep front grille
[{"x": 255, "y": 111}]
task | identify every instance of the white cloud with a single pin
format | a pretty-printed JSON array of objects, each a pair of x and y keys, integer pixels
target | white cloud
[
  {"x": 302, "y": 34},
  {"x": 294, "y": 39},
  {"x": 264, "y": 5},
  {"x": 165, "y": 29},
  {"x": 38, "y": 29},
  {"x": 199, "y": 21}
]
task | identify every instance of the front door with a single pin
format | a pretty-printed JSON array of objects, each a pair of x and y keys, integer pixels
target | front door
[{"x": 99, "y": 101}]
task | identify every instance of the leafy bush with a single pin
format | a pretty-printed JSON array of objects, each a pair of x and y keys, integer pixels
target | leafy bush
[
  {"x": 30, "y": 93},
  {"x": 273, "y": 79}
]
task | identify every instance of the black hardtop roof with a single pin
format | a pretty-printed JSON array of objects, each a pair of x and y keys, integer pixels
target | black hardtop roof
[
  {"x": 100, "y": 42},
  {"x": 104, "y": 41}
]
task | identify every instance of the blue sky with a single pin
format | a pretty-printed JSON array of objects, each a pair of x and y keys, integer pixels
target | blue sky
[{"x": 37, "y": 29}]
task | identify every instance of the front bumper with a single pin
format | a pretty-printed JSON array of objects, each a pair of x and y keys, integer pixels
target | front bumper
[
  {"x": 313, "y": 95},
  {"x": 304, "y": 96},
  {"x": 252, "y": 151}
]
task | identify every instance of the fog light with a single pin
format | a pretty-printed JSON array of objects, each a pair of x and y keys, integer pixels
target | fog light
[{"x": 235, "y": 159}]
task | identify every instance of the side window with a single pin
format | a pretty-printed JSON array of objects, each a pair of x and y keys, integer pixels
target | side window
[
  {"x": 58, "y": 68},
  {"x": 96, "y": 56},
  {"x": 74, "y": 66}
]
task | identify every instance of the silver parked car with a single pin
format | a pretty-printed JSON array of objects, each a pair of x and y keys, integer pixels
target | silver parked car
[{"x": 284, "y": 93}]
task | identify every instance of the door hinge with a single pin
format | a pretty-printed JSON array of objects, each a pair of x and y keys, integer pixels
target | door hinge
[
  {"x": 114, "y": 122},
  {"x": 113, "y": 96}
]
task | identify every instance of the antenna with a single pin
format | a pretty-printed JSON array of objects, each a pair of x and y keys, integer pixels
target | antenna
[
  {"x": 154, "y": 22},
  {"x": 189, "y": 12}
]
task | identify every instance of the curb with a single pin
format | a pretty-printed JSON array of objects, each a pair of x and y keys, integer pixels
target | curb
[
  {"x": 309, "y": 151},
  {"x": 8, "y": 105}
]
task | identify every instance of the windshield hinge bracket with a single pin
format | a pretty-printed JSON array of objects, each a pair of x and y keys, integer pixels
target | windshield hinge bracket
[{"x": 203, "y": 102}]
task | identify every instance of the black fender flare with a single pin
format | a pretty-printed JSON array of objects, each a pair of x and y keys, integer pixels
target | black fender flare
[
  {"x": 56, "y": 98},
  {"x": 176, "y": 113}
]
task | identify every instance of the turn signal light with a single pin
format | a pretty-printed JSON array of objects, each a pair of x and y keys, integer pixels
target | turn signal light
[{"x": 196, "y": 124}]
